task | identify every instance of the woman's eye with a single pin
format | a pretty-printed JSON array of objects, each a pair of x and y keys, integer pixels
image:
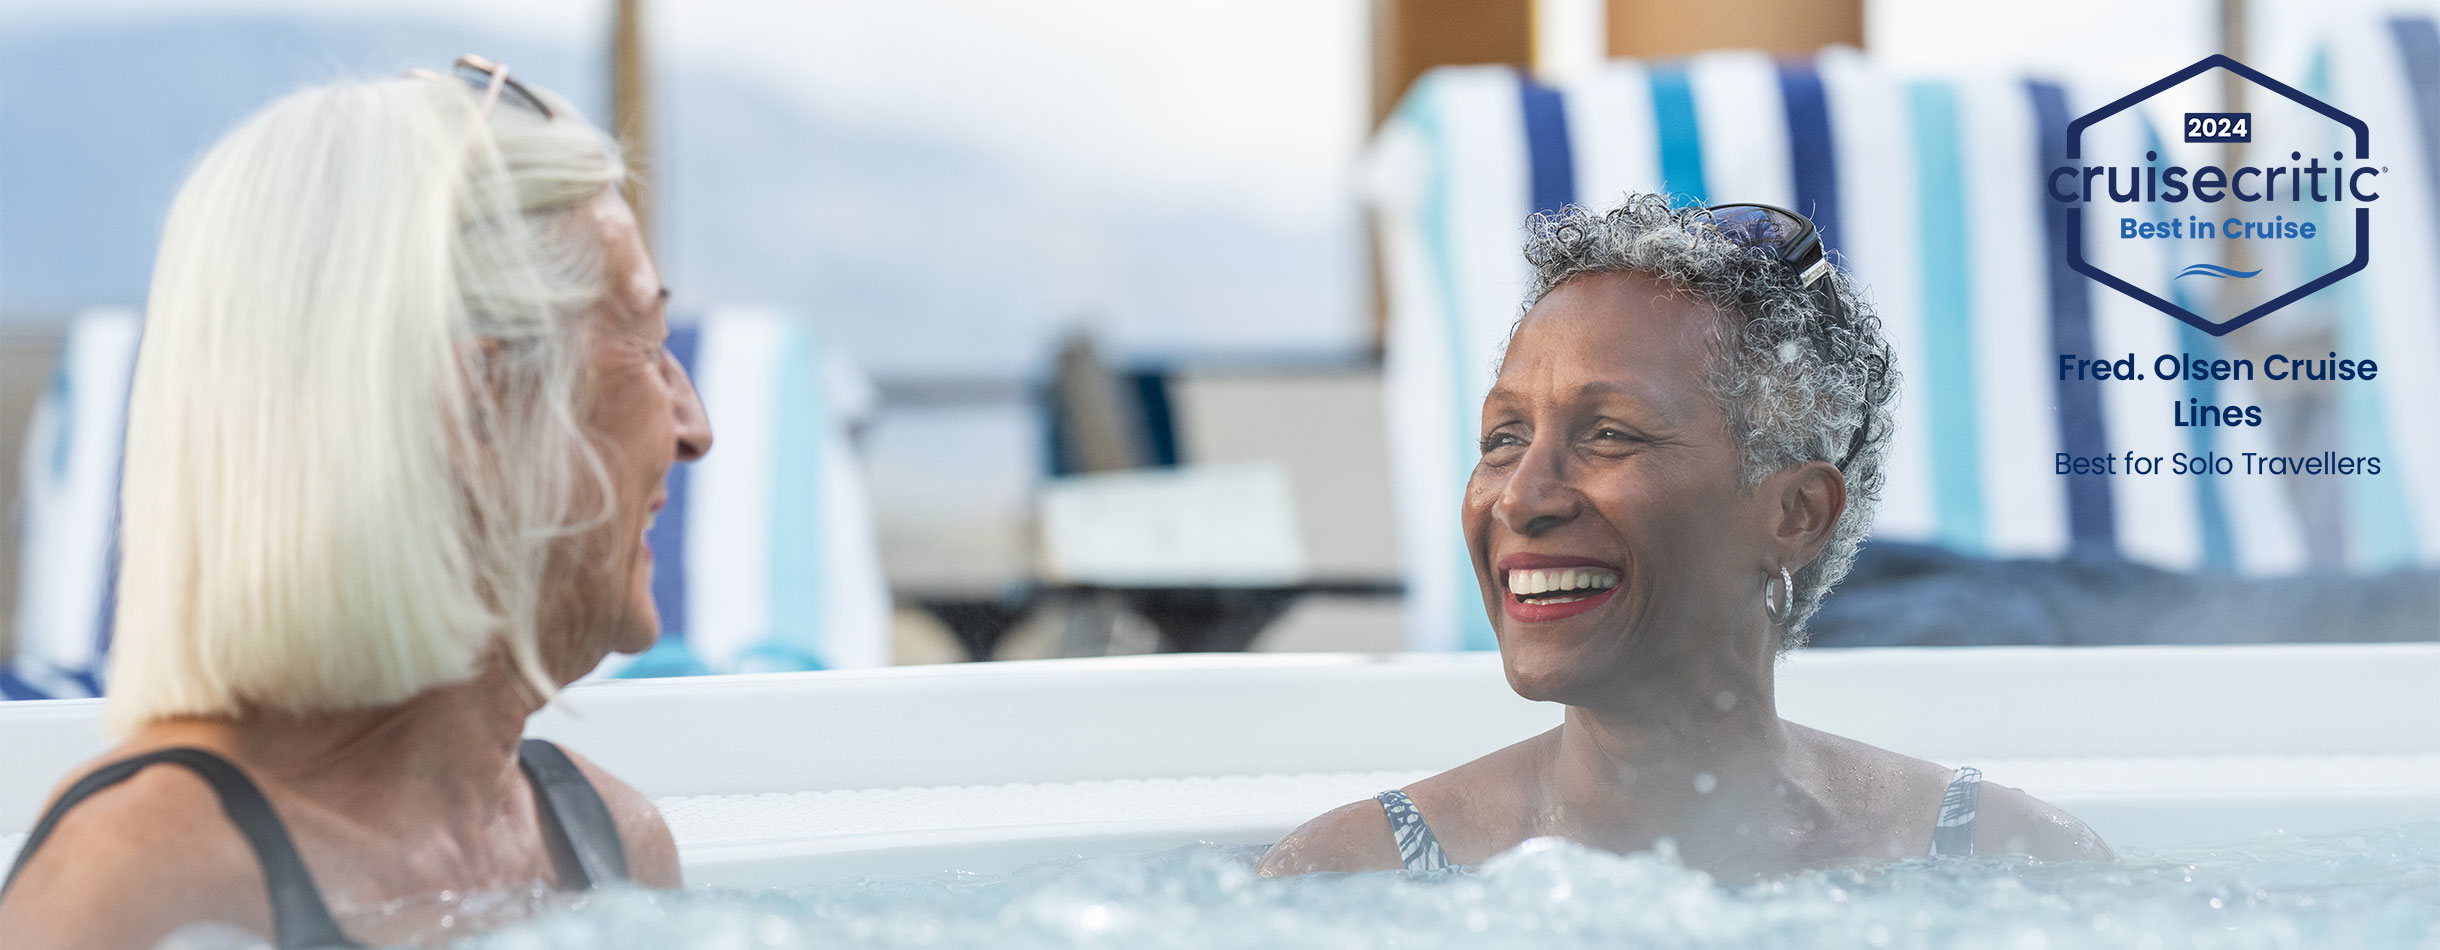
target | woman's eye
[
  {"x": 1499, "y": 440},
  {"x": 1616, "y": 440}
]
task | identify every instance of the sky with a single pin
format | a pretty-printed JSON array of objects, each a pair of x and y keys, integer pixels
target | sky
[
  {"x": 1264, "y": 99},
  {"x": 946, "y": 185}
]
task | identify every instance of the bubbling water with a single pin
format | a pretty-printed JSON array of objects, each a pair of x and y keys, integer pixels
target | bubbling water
[{"x": 2377, "y": 888}]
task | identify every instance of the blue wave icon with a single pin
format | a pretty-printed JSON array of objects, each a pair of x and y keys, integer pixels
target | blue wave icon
[{"x": 2215, "y": 270}]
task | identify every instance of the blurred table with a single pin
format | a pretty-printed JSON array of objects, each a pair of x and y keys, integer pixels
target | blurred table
[{"x": 1191, "y": 619}]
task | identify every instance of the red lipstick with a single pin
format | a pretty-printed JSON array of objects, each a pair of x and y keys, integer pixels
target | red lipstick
[{"x": 1524, "y": 611}]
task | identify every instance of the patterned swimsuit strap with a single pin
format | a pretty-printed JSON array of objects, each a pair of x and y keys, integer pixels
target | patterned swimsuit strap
[
  {"x": 1417, "y": 847},
  {"x": 1953, "y": 834}
]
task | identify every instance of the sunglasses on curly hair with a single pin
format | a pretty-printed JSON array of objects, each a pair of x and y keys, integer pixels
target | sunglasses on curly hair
[
  {"x": 1789, "y": 237},
  {"x": 1793, "y": 240}
]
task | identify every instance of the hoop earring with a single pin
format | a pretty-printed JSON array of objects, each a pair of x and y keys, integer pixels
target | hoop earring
[{"x": 1778, "y": 614}]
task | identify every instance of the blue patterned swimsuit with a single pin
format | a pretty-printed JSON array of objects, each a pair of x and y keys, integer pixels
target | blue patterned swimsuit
[{"x": 1419, "y": 850}]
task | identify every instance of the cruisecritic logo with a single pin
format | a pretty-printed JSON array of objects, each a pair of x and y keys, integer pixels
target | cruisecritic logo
[{"x": 2253, "y": 211}]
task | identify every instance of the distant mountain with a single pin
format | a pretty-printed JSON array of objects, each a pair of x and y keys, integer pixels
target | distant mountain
[{"x": 918, "y": 252}]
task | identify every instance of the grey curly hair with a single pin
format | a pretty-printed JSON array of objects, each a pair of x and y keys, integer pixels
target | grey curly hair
[{"x": 1798, "y": 380}]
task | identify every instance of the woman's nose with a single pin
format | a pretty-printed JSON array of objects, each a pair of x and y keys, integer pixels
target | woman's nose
[
  {"x": 694, "y": 426},
  {"x": 1537, "y": 497}
]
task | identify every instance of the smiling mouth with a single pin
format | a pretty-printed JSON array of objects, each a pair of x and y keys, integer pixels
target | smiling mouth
[{"x": 1561, "y": 585}]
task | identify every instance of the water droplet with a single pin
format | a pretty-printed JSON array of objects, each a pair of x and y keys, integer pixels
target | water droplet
[
  {"x": 1704, "y": 782},
  {"x": 1726, "y": 700}
]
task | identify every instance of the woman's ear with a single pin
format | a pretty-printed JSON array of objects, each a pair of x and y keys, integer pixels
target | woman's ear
[
  {"x": 1811, "y": 496},
  {"x": 478, "y": 355}
]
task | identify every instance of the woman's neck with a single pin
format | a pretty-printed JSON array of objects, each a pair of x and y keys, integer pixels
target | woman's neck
[
  {"x": 1698, "y": 756},
  {"x": 445, "y": 756}
]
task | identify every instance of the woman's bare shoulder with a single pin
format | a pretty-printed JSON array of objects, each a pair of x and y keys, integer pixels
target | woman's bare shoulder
[
  {"x": 1351, "y": 837},
  {"x": 1895, "y": 794},
  {"x": 1910, "y": 790},
  {"x": 2008, "y": 821},
  {"x": 131, "y": 863},
  {"x": 1458, "y": 804},
  {"x": 652, "y": 852}
]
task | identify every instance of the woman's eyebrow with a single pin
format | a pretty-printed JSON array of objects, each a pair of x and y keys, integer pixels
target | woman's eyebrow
[
  {"x": 1638, "y": 399},
  {"x": 1604, "y": 387},
  {"x": 1638, "y": 396}
]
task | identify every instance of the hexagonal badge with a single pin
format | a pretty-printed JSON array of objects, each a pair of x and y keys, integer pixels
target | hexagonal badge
[{"x": 2249, "y": 209}]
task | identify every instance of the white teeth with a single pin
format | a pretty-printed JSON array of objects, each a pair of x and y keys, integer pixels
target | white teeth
[{"x": 1529, "y": 583}]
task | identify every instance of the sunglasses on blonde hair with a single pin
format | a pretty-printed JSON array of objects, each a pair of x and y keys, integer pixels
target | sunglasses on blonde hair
[{"x": 491, "y": 80}]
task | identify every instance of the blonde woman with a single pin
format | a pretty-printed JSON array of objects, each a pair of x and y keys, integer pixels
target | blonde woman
[{"x": 400, "y": 421}]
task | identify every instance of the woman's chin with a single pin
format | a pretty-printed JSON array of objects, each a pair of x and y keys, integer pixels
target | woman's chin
[
  {"x": 1539, "y": 675},
  {"x": 637, "y": 637}
]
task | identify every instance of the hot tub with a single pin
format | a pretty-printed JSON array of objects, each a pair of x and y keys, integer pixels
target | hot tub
[{"x": 783, "y": 779}]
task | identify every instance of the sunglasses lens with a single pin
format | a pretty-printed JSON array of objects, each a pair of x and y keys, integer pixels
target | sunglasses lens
[
  {"x": 473, "y": 76},
  {"x": 1762, "y": 229},
  {"x": 510, "y": 90}
]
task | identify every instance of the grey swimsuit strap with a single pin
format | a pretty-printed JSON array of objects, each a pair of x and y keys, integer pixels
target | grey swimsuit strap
[
  {"x": 1417, "y": 848},
  {"x": 1953, "y": 834}
]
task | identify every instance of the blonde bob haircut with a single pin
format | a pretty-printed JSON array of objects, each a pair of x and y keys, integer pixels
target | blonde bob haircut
[{"x": 353, "y": 442}]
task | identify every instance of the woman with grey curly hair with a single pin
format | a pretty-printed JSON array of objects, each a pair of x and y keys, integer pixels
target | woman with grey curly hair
[{"x": 1680, "y": 455}]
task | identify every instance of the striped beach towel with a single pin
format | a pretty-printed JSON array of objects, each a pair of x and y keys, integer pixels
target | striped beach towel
[
  {"x": 68, "y": 505},
  {"x": 2386, "y": 72}
]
